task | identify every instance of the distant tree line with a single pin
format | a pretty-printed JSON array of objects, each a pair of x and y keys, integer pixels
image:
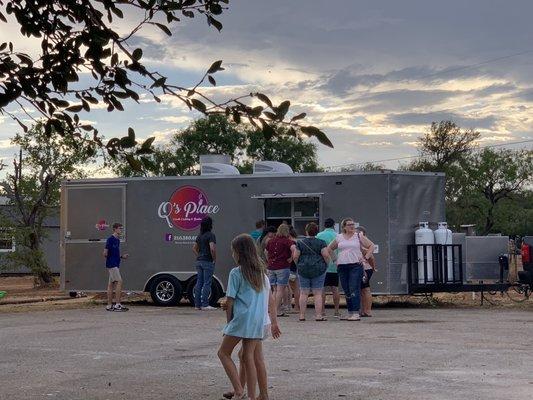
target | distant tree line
[
  {"x": 216, "y": 134},
  {"x": 488, "y": 187}
]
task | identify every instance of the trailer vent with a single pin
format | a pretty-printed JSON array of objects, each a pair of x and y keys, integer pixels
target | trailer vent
[
  {"x": 218, "y": 169},
  {"x": 271, "y": 167}
]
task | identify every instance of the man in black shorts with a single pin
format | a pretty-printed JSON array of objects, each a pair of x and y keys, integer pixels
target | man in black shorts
[{"x": 332, "y": 278}]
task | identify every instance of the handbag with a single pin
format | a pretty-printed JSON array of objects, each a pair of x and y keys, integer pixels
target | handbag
[{"x": 314, "y": 270}]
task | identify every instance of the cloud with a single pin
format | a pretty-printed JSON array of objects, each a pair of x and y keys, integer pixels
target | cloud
[
  {"x": 426, "y": 119},
  {"x": 163, "y": 137},
  {"x": 395, "y": 100},
  {"x": 6, "y": 144},
  {"x": 525, "y": 95},
  {"x": 372, "y": 75},
  {"x": 182, "y": 119}
]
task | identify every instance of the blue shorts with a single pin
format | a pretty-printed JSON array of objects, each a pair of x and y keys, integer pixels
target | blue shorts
[
  {"x": 313, "y": 283},
  {"x": 279, "y": 276}
]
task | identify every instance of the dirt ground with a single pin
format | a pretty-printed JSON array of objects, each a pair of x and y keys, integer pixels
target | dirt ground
[
  {"x": 170, "y": 353},
  {"x": 21, "y": 291}
]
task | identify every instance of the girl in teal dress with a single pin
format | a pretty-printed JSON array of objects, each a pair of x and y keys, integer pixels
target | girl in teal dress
[{"x": 247, "y": 312}]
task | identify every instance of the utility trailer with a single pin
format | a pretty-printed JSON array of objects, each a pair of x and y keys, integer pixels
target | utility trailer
[
  {"x": 471, "y": 264},
  {"x": 161, "y": 218}
]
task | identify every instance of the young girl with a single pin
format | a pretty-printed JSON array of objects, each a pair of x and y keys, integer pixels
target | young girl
[{"x": 248, "y": 297}]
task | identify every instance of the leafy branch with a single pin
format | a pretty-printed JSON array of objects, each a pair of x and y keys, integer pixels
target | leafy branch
[{"x": 76, "y": 36}]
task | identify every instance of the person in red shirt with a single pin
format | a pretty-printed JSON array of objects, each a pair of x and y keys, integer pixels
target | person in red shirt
[{"x": 279, "y": 258}]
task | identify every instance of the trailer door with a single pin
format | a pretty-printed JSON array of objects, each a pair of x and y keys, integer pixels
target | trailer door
[{"x": 92, "y": 209}]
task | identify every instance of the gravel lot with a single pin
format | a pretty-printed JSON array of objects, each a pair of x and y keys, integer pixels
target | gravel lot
[{"x": 170, "y": 353}]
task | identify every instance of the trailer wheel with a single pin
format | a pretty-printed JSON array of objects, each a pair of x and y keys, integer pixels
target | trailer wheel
[
  {"x": 216, "y": 292},
  {"x": 166, "y": 291}
]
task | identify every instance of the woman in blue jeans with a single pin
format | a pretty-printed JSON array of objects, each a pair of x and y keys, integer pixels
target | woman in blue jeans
[
  {"x": 350, "y": 264},
  {"x": 205, "y": 250},
  {"x": 311, "y": 257}
]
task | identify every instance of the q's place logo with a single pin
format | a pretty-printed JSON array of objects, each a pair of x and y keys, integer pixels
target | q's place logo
[{"x": 186, "y": 208}]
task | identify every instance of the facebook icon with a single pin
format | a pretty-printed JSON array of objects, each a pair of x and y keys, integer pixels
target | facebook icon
[{"x": 168, "y": 237}]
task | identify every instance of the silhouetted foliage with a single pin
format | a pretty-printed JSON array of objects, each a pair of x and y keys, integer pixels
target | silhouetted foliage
[
  {"x": 216, "y": 134},
  {"x": 79, "y": 36}
]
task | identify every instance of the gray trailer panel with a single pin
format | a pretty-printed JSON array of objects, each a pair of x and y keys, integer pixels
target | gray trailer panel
[{"x": 388, "y": 204}]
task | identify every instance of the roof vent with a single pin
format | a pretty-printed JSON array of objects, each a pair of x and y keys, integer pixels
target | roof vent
[
  {"x": 215, "y": 158},
  {"x": 271, "y": 167},
  {"x": 218, "y": 169}
]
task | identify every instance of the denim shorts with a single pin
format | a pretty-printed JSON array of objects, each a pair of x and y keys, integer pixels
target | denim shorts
[
  {"x": 279, "y": 276},
  {"x": 312, "y": 283}
]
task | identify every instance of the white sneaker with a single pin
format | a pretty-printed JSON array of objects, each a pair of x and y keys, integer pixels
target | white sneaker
[
  {"x": 209, "y": 308},
  {"x": 354, "y": 317}
]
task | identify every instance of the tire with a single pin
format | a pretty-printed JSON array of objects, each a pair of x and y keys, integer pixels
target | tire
[
  {"x": 518, "y": 294},
  {"x": 214, "y": 297},
  {"x": 166, "y": 291}
]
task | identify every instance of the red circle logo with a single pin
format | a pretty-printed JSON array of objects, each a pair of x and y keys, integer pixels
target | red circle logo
[{"x": 186, "y": 208}]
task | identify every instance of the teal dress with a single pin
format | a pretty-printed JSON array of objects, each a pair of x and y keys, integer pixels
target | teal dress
[{"x": 249, "y": 308}]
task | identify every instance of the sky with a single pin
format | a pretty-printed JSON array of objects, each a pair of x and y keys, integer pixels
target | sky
[{"x": 373, "y": 74}]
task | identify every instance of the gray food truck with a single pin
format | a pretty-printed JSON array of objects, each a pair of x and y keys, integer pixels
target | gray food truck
[{"x": 161, "y": 218}]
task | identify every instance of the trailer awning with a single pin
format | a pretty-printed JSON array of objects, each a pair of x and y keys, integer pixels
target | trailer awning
[{"x": 285, "y": 195}]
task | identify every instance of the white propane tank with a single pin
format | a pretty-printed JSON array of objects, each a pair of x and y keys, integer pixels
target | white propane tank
[
  {"x": 424, "y": 235},
  {"x": 444, "y": 236}
]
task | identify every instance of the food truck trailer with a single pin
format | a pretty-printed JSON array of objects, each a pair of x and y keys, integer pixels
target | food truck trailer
[{"x": 161, "y": 218}]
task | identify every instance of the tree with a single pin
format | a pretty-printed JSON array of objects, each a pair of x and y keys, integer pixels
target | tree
[
  {"x": 445, "y": 144},
  {"x": 292, "y": 150},
  {"x": 494, "y": 176},
  {"x": 33, "y": 190},
  {"x": 216, "y": 134},
  {"x": 80, "y": 36},
  {"x": 365, "y": 167},
  {"x": 514, "y": 216},
  {"x": 444, "y": 148}
]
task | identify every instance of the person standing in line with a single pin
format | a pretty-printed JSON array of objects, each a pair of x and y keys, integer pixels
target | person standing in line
[
  {"x": 350, "y": 265},
  {"x": 369, "y": 267},
  {"x": 248, "y": 299},
  {"x": 278, "y": 252},
  {"x": 112, "y": 262},
  {"x": 259, "y": 227},
  {"x": 294, "y": 283},
  {"x": 268, "y": 233},
  {"x": 205, "y": 250},
  {"x": 312, "y": 257},
  {"x": 331, "y": 282}
]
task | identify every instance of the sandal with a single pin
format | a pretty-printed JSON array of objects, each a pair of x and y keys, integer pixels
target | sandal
[
  {"x": 321, "y": 318},
  {"x": 228, "y": 395},
  {"x": 366, "y": 315},
  {"x": 301, "y": 319}
]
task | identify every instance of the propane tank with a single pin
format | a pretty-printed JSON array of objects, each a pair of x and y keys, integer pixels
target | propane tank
[
  {"x": 444, "y": 236},
  {"x": 424, "y": 236}
]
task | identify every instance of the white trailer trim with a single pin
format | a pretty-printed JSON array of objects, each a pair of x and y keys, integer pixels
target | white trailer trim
[{"x": 282, "y": 195}]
